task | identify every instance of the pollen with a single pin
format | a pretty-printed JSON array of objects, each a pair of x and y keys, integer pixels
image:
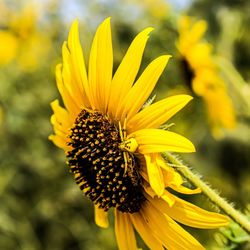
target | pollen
[{"x": 97, "y": 162}]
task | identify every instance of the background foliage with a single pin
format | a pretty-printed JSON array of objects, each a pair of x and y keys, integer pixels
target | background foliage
[{"x": 40, "y": 205}]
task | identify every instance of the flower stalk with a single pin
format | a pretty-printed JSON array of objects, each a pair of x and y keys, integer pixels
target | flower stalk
[
  {"x": 240, "y": 87},
  {"x": 235, "y": 215}
]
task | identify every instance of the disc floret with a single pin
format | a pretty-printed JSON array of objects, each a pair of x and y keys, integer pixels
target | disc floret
[{"x": 100, "y": 169}]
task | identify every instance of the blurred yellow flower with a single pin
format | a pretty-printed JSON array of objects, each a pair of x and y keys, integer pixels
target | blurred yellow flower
[
  {"x": 113, "y": 146},
  {"x": 22, "y": 40},
  {"x": 34, "y": 47},
  {"x": 8, "y": 47},
  {"x": 158, "y": 9},
  {"x": 203, "y": 75},
  {"x": 24, "y": 22}
]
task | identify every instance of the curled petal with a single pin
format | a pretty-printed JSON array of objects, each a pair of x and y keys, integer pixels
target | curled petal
[{"x": 154, "y": 174}]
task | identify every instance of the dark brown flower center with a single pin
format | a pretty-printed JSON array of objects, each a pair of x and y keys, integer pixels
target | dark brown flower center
[{"x": 99, "y": 165}]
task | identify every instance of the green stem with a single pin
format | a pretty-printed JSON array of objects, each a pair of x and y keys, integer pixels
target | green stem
[
  {"x": 240, "y": 87},
  {"x": 210, "y": 193}
]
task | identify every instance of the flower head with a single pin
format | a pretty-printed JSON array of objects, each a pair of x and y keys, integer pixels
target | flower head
[
  {"x": 203, "y": 76},
  {"x": 113, "y": 145}
]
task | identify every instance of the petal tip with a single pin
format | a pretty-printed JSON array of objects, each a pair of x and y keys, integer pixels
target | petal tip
[
  {"x": 167, "y": 57},
  {"x": 184, "y": 98},
  {"x": 189, "y": 97},
  {"x": 75, "y": 23},
  {"x": 163, "y": 60},
  {"x": 54, "y": 103},
  {"x": 107, "y": 20},
  {"x": 192, "y": 149},
  {"x": 148, "y": 30},
  {"x": 51, "y": 137}
]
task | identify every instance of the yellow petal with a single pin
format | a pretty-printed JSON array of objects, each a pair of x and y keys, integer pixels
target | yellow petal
[
  {"x": 58, "y": 128},
  {"x": 200, "y": 56},
  {"x": 168, "y": 197},
  {"x": 143, "y": 87},
  {"x": 125, "y": 74},
  {"x": 220, "y": 109},
  {"x": 190, "y": 34},
  {"x": 78, "y": 64},
  {"x": 69, "y": 78},
  {"x": 184, "y": 24},
  {"x": 101, "y": 66},
  {"x": 59, "y": 142},
  {"x": 124, "y": 231},
  {"x": 197, "y": 30},
  {"x": 9, "y": 46},
  {"x": 191, "y": 215},
  {"x": 158, "y": 113},
  {"x": 68, "y": 101},
  {"x": 184, "y": 190},
  {"x": 154, "y": 174},
  {"x": 145, "y": 232},
  {"x": 158, "y": 140},
  {"x": 169, "y": 174},
  {"x": 61, "y": 122},
  {"x": 173, "y": 179},
  {"x": 62, "y": 115},
  {"x": 168, "y": 231},
  {"x": 101, "y": 217}
]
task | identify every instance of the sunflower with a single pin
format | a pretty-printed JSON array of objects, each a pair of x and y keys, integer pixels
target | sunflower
[
  {"x": 113, "y": 145},
  {"x": 203, "y": 76}
]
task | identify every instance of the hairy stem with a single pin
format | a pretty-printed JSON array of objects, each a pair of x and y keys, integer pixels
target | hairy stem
[{"x": 210, "y": 193}]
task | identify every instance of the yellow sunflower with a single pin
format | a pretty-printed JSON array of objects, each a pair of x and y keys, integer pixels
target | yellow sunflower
[
  {"x": 113, "y": 146},
  {"x": 203, "y": 76}
]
